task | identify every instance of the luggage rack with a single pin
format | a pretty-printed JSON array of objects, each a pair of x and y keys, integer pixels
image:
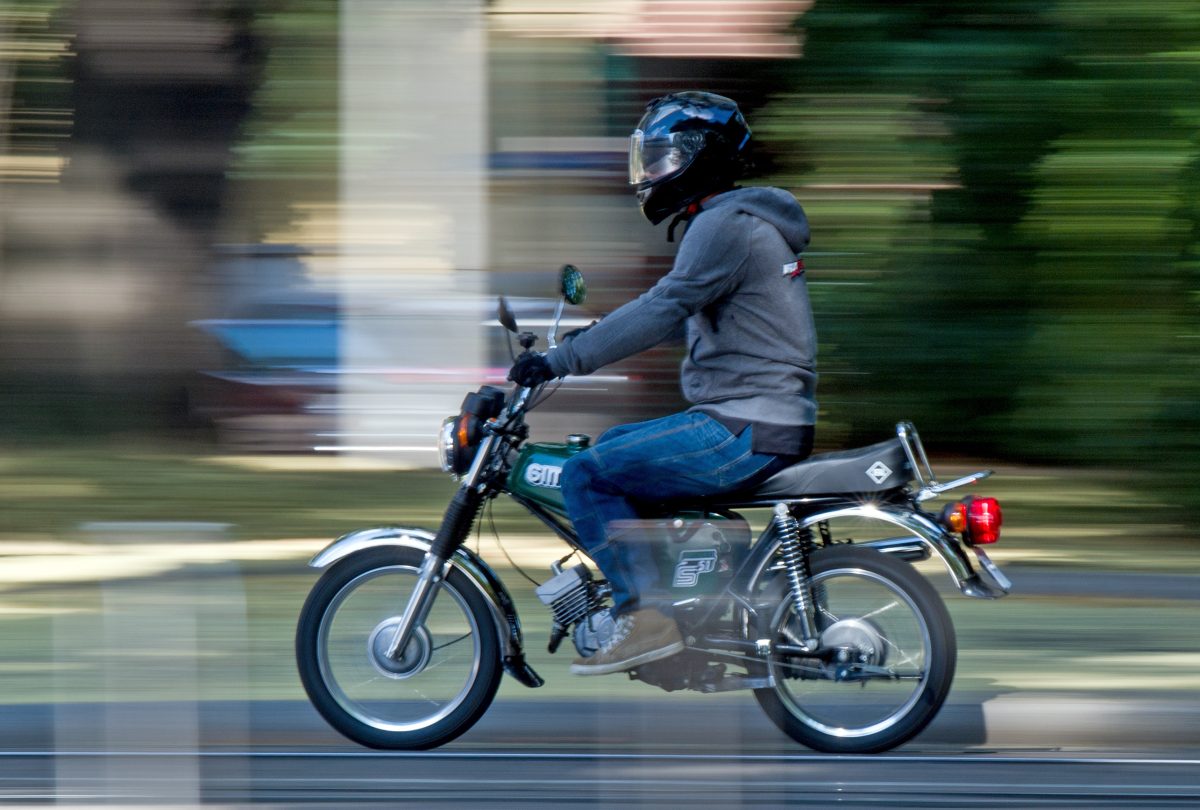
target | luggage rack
[{"x": 922, "y": 471}]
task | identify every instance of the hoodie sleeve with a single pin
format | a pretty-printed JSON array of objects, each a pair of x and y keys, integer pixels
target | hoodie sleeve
[{"x": 710, "y": 263}]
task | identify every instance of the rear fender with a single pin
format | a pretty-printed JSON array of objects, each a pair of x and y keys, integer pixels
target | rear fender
[
  {"x": 478, "y": 573},
  {"x": 926, "y": 532}
]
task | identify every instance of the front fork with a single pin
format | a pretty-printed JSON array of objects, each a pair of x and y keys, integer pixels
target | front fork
[
  {"x": 456, "y": 525},
  {"x": 429, "y": 578}
]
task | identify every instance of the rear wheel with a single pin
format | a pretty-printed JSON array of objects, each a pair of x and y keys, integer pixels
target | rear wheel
[
  {"x": 889, "y": 655},
  {"x": 439, "y": 686}
]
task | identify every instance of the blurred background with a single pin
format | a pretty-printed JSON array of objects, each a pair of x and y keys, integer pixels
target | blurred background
[
  {"x": 250, "y": 251},
  {"x": 285, "y": 223}
]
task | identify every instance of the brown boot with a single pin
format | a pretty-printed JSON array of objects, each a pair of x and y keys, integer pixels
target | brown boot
[{"x": 639, "y": 638}]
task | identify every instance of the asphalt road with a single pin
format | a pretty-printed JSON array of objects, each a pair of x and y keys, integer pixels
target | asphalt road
[
  {"x": 997, "y": 751},
  {"x": 1017, "y": 749}
]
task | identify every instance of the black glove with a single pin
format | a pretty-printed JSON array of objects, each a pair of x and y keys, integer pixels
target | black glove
[{"x": 531, "y": 368}]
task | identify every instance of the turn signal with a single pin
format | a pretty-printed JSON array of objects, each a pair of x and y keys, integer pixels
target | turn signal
[
  {"x": 983, "y": 520},
  {"x": 954, "y": 517}
]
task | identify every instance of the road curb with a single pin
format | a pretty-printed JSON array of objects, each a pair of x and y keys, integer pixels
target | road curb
[{"x": 1089, "y": 721}]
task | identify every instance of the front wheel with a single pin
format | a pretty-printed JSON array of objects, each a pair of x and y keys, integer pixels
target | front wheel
[
  {"x": 888, "y": 652},
  {"x": 429, "y": 694}
]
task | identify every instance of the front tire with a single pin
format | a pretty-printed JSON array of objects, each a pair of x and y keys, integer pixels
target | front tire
[
  {"x": 900, "y": 646},
  {"x": 436, "y": 690}
]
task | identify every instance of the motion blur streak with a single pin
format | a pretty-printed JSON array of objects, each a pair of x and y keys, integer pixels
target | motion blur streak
[{"x": 232, "y": 232}]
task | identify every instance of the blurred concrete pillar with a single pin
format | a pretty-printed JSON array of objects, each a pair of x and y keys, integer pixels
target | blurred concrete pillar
[
  {"x": 158, "y": 647},
  {"x": 413, "y": 220}
]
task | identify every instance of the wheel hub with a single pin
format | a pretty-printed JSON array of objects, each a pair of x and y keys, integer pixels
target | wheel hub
[
  {"x": 410, "y": 661},
  {"x": 857, "y": 642}
]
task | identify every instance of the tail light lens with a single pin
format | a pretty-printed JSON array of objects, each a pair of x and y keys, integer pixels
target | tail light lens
[
  {"x": 983, "y": 520},
  {"x": 977, "y": 519}
]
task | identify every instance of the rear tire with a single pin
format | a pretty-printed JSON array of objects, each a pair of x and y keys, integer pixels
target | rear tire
[
  {"x": 882, "y": 611},
  {"x": 439, "y": 687}
]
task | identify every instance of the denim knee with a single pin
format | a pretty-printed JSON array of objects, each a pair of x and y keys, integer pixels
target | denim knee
[{"x": 577, "y": 471}]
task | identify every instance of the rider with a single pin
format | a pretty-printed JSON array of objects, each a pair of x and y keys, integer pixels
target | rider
[{"x": 738, "y": 285}]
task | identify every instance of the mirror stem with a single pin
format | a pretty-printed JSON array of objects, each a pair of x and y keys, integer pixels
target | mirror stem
[{"x": 558, "y": 311}]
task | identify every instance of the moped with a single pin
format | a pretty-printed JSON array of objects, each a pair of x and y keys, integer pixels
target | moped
[{"x": 405, "y": 637}]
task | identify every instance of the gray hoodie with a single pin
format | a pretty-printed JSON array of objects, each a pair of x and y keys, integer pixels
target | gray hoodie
[{"x": 738, "y": 286}]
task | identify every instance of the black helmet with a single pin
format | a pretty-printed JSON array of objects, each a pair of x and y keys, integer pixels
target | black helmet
[{"x": 687, "y": 146}]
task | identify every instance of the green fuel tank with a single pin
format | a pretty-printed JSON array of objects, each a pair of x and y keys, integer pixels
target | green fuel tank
[{"x": 537, "y": 472}]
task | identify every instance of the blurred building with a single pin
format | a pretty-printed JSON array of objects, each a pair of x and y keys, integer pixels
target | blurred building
[
  {"x": 119, "y": 122},
  {"x": 510, "y": 155},
  {"x": 466, "y": 149}
]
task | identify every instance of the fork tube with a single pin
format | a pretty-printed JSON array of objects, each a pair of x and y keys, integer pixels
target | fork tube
[
  {"x": 419, "y": 603},
  {"x": 456, "y": 525}
]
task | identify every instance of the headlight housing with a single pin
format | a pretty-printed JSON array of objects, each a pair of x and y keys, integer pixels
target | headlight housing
[{"x": 461, "y": 434}]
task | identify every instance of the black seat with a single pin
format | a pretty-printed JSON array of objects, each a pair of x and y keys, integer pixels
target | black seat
[{"x": 878, "y": 468}]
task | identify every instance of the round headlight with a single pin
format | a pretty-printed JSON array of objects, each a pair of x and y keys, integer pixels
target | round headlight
[{"x": 446, "y": 444}]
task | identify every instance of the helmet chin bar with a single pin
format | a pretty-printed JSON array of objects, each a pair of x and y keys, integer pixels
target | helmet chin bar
[{"x": 661, "y": 200}]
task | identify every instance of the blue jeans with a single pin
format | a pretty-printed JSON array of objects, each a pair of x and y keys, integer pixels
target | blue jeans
[{"x": 684, "y": 455}]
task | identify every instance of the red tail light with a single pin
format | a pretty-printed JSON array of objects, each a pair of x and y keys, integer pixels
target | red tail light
[
  {"x": 976, "y": 519},
  {"x": 983, "y": 520}
]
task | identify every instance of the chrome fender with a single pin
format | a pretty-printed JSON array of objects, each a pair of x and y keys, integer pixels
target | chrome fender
[
  {"x": 927, "y": 533},
  {"x": 478, "y": 573}
]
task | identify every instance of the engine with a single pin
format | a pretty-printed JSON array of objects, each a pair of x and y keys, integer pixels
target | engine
[{"x": 577, "y": 600}]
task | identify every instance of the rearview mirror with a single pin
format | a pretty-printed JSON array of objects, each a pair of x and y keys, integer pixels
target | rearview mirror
[
  {"x": 507, "y": 319},
  {"x": 573, "y": 287}
]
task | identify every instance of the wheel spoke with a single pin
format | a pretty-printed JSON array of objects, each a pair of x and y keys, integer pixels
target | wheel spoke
[
  {"x": 906, "y": 657},
  {"x": 452, "y": 641},
  {"x": 879, "y": 611}
]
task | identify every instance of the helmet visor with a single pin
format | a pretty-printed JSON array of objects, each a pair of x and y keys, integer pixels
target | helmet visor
[{"x": 652, "y": 159}]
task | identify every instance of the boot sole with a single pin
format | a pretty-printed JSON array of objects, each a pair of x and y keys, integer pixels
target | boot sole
[{"x": 629, "y": 663}]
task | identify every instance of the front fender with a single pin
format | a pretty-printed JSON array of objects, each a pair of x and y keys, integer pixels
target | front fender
[
  {"x": 347, "y": 544},
  {"x": 478, "y": 573}
]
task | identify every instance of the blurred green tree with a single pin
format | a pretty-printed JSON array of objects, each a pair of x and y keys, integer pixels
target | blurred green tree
[
  {"x": 285, "y": 165},
  {"x": 1004, "y": 201}
]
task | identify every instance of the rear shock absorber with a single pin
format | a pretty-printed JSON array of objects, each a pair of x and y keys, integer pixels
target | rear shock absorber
[{"x": 795, "y": 546}]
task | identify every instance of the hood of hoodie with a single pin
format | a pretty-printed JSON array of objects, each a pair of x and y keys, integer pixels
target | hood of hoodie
[{"x": 772, "y": 205}]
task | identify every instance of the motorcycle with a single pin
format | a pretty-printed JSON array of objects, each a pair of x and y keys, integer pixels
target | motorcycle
[{"x": 404, "y": 639}]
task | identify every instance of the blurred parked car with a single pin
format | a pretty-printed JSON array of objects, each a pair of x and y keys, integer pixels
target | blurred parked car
[
  {"x": 277, "y": 386},
  {"x": 278, "y": 380}
]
